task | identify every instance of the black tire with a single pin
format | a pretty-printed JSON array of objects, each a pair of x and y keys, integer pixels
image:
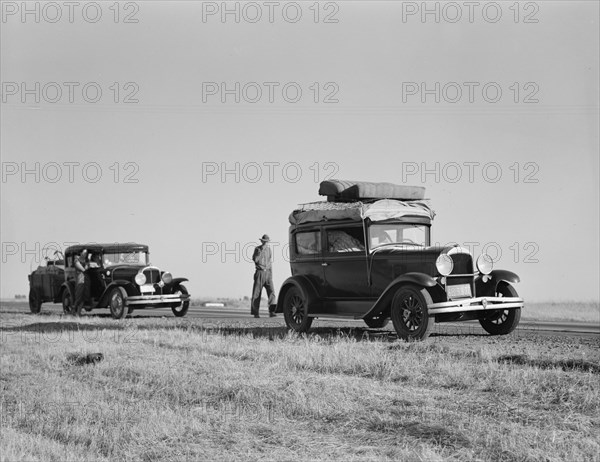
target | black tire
[
  {"x": 410, "y": 315},
  {"x": 377, "y": 323},
  {"x": 116, "y": 303},
  {"x": 295, "y": 311},
  {"x": 35, "y": 301},
  {"x": 180, "y": 309},
  {"x": 68, "y": 303},
  {"x": 502, "y": 322}
]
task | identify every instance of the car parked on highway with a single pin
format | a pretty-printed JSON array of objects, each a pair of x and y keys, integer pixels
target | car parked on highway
[
  {"x": 121, "y": 279},
  {"x": 366, "y": 253}
]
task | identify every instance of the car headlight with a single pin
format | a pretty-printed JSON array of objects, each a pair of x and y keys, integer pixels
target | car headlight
[
  {"x": 167, "y": 277},
  {"x": 444, "y": 264},
  {"x": 485, "y": 263},
  {"x": 140, "y": 279}
]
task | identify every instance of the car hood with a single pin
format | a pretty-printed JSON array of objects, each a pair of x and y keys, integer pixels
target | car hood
[
  {"x": 431, "y": 251},
  {"x": 422, "y": 259},
  {"x": 124, "y": 271}
]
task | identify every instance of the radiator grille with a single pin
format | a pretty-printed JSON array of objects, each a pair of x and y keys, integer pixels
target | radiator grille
[
  {"x": 152, "y": 276},
  {"x": 461, "y": 287}
]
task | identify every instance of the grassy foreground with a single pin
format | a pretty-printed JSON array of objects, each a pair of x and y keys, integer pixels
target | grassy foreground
[{"x": 186, "y": 389}]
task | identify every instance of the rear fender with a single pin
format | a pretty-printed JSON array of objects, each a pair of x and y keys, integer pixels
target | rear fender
[
  {"x": 304, "y": 284},
  {"x": 486, "y": 285},
  {"x": 68, "y": 286},
  {"x": 382, "y": 306}
]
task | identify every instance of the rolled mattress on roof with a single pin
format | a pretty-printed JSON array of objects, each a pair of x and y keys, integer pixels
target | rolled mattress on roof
[
  {"x": 385, "y": 209},
  {"x": 344, "y": 190}
]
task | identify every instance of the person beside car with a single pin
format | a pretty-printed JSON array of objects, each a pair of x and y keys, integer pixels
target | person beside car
[
  {"x": 263, "y": 277},
  {"x": 82, "y": 281}
]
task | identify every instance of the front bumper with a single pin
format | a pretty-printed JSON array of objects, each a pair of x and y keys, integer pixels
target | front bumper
[
  {"x": 157, "y": 299},
  {"x": 476, "y": 304}
]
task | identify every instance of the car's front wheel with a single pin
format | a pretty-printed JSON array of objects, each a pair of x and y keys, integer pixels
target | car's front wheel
[
  {"x": 410, "y": 315},
  {"x": 502, "y": 322},
  {"x": 295, "y": 310},
  {"x": 35, "y": 301},
  {"x": 117, "y": 303},
  {"x": 180, "y": 309}
]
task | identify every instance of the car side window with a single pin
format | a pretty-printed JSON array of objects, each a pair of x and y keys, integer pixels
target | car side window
[
  {"x": 348, "y": 239},
  {"x": 308, "y": 243}
]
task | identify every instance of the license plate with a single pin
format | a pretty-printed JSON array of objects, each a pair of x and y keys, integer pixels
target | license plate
[
  {"x": 459, "y": 291},
  {"x": 146, "y": 288}
]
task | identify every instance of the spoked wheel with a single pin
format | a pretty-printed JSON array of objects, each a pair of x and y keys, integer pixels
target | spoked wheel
[
  {"x": 180, "y": 309},
  {"x": 502, "y": 322},
  {"x": 68, "y": 303},
  {"x": 410, "y": 315},
  {"x": 116, "y": 303},
  {"x": 35, "y": 301},
  {"x": 295, "y": 311}
]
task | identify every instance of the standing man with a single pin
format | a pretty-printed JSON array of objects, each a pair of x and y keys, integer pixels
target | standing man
[
  {"x": 82, "y": 281},
  {"x": 263, "y": 277}
]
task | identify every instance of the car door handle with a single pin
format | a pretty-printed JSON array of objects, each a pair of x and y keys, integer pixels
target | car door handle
[{"x": 324, "y": 264}]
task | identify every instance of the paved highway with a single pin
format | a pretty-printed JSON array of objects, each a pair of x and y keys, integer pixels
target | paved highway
[{"x": 240, "y": 318}]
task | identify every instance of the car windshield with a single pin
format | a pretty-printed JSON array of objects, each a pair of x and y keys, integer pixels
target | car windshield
[
  {"x": 127, "y": 258},
  {"x": 397, "y": 233}
]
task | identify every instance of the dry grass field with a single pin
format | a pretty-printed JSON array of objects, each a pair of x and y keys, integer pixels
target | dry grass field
[{"x": 188, "y": 389}]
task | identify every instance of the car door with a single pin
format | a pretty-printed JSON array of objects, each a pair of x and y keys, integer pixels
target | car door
[
  {"x": 307, "y": 256},
  {"x": 345, "y": 262}
]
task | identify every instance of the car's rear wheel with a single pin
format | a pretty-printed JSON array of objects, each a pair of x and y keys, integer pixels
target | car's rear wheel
[
  {"x": 117, "y": 303},
  {"x": 502, "y": 322},
  {"x": 295, "y": 310},
  {"x": 410, "y": 315},
  {"x": 68, "y": 303},
  {"x": 377, "y": 323},
  {"x": 180, "y": 309},
  {"x": 35, "y": 301}
]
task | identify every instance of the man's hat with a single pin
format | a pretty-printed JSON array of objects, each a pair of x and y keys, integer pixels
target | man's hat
[{"x": 265, "y": 238}]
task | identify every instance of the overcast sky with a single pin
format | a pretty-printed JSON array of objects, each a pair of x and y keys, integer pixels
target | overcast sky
[{"x": 196, "y": 133}]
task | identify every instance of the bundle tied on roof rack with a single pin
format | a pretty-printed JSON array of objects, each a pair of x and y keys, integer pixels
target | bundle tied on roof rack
[
  {"x": 356, "y": 200},
  {"x": 351, "y": 191}
]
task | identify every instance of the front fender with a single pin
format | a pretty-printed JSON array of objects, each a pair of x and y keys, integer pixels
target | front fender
[
  {"x": 307, "y": 288},
  {"x": 127, "y": 285},
  {"x": 176, "y": 281},
  {"x": 488, "y": 287},
  {"x": 382, "y": 305}
]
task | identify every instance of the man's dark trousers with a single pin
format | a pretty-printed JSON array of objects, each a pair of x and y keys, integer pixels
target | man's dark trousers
[
  {"x": 262, "y": 278},
  {"x": 82, "y": 294}
]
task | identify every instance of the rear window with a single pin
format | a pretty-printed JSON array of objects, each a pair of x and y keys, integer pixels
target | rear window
[
  {"x": 308, "y": 243},
  {"x": 347, "y": 239}
]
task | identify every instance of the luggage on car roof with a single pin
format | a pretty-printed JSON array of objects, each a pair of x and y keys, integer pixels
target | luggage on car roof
[{"x": 349, "y": 191}]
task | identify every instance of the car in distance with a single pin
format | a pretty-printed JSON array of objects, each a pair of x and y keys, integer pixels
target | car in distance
[
  {"x": 366, "y": 253},
  {"x": 121, "y": 279}
]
